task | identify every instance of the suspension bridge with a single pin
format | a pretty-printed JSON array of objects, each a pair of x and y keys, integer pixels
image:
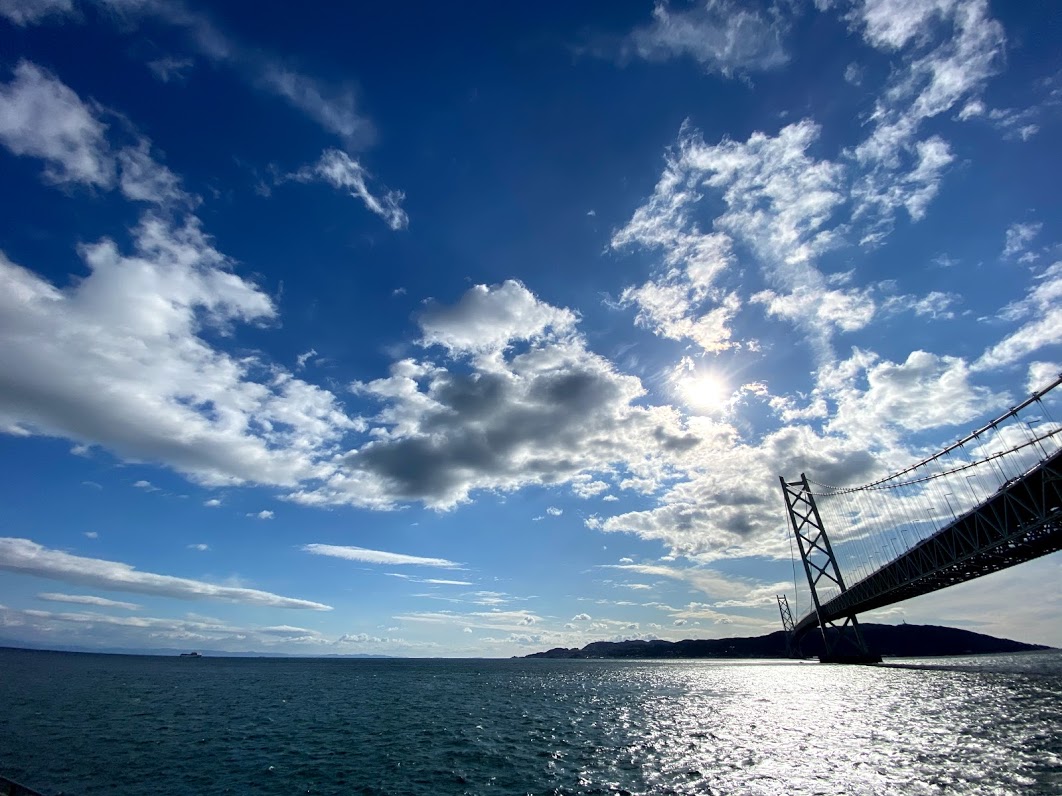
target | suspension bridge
[{"x": 989, "y": 501}]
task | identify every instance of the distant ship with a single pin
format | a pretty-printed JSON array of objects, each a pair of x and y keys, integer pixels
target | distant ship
[{"x": 191, "y": 655}]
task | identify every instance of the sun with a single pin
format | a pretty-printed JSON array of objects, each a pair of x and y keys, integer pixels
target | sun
[{"x": 703, "y": 392}]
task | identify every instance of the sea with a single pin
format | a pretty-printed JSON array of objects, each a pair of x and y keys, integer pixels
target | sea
[{"x": 75, "y": 723}]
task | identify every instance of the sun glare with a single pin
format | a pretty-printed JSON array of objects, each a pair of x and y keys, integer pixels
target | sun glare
[{"x": 703, "y": 392}]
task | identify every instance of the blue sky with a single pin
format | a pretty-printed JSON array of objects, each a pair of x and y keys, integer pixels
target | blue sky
[{"x": 401, "y": 330}]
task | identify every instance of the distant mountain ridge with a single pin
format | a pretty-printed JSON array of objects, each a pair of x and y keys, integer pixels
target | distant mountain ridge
[{"x": 892, "y": 641}]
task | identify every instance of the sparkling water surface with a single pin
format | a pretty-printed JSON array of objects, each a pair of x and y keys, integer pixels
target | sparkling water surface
[{"x": 103, "y": 724}]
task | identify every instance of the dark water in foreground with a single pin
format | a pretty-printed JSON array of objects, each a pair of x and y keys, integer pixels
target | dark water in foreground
[{"x": 96, "y": 724}]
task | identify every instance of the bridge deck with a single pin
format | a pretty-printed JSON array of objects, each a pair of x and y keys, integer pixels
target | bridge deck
[{"x": 1021, "y": 521}]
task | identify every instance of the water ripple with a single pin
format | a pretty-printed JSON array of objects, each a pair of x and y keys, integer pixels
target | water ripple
[{"x": 84, "y": 724}]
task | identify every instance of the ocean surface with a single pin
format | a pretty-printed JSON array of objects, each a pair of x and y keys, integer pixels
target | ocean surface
[{"x": 109, "y": 724}]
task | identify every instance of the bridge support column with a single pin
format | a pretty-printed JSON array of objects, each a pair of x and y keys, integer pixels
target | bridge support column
[
  {"x": 791, "y": 648},
  {"x": 842, "y": 639}
]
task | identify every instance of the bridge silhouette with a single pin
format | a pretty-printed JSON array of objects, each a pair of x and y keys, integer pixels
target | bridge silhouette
[{"x": 989, "y": 501}]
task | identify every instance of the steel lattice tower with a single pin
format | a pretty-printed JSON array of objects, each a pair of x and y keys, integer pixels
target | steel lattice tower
[
  {"x": 845, "y": 644},
  {"x": 787, "y": 624}
]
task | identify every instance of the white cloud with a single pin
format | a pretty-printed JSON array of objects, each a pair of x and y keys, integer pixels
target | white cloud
[
  {"x": 333, "y": 108},
  {"x": 303, "y": 358},
  {"x": 779, "y": 201},
  {"x": 92, "y": 534},
  {"x": 117, "y": 359},
  {"x": 142, "y": 179},
  {"x": 343, "y": 172},
  {"x": 506, "y": 621},
  {"x": 93, "y": 629},
  {"x": 489, "y": 318},
  {"x": 264, "y": 514},
  {"x": 32, "y": 12},
  {"x": 935, "y": 304},
  {"x": 726, "y": 502},
  {"x": 212, "y": 503},
  {"x": 938, "y": 71},
  {"x": 26, "y": 557},
  {"x": 584, "y": 486},
  {"x": 1040, "y": 374},
  {"x": 926, "y": 391},
  {"x": 725, "y": 590},
  {"x": 362, "y": 638},
  {"x": 87, "y": 599},
  {"x": 722, "y": 36},
  {"x": 547, "y": 415},
  {"x": 891, "y": 24},
  {"x": 1043, "y": 307},
  {"x": 200, "y": 546},
  {"x": 553, "y": 511},
  {"x": 367, "y": 556},
  {"x": 41, "y": 117},
  {"x": 1018, "y": 238},
  {"x": 581, "y": 618}
]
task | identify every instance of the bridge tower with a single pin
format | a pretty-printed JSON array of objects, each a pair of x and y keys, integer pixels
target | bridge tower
[
  {"x": 843, "y": 640},
  {"x": 787, "y": 625}
]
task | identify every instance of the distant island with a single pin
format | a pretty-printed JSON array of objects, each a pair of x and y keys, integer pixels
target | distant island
[{"x": 891, "y": 641}]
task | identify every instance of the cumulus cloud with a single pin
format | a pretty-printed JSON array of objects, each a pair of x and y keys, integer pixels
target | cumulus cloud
[
  {"x": 26, "y": 557},
  {"x": 119, "y": 359},
  {"x": 343, "y": 172},
  {"x": 549, "y": 412},
  {"x": 926, "y": 391},
  {"x": 722, "y": 36},
  {"x": 367, "y": 556},
  {"x": 868, "y": 408},
  {"x": 489, "y": 318}
]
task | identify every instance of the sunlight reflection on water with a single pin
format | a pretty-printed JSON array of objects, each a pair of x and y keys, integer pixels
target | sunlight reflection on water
[{"x": 88, "y": 724}]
